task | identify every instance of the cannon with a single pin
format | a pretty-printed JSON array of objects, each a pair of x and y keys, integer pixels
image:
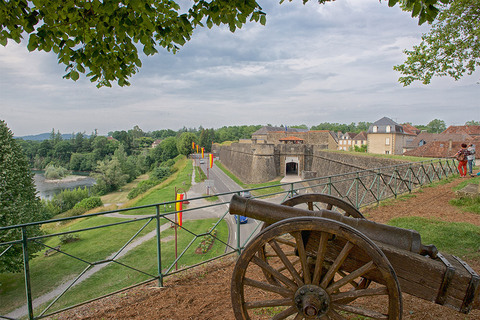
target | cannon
[{"x": 317, "y": 257}]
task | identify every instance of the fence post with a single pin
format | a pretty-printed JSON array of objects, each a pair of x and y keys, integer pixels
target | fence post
[
  {"x": 357, "y": 178},
  {"x": 330, "y": 185},
  {"x": 159, "y": 248},
  {"x": 26, "y": 269}
]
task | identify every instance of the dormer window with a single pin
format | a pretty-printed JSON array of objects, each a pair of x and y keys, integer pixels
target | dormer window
[
  {"x": 375, "y": 129},
  {"x": 388, "y": 129}
]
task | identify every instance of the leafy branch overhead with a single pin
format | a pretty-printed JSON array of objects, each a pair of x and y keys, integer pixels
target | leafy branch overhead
[
  {"x": 102, "y": 38},
  {"x": 451, "y": 48}
]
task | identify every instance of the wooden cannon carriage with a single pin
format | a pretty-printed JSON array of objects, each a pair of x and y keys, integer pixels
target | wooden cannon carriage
[{"x": 319, "y": 258}]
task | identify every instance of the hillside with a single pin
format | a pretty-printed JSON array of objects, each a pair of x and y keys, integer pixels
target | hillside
[{"x": 204, "y": 293}]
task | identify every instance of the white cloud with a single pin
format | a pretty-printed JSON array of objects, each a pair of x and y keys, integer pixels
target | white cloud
[{"x": 310, "y": 64}]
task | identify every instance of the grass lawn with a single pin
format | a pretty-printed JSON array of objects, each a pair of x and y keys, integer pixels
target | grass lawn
[
  {"x": 47, "y": 272},
  {"x": 165, "y": 191},
  {"x": 120, "y": 196},
  {"x": 461, "y": 239},
  {"x": 114, "y": 276}
]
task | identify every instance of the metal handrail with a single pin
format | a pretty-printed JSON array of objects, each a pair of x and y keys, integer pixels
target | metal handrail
[{"x": 360, "y": 188}]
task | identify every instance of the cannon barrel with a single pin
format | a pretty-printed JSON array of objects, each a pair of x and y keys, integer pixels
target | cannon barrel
[{"x": 270, "y": 213}]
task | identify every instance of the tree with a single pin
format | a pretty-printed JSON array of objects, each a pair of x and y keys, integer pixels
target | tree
[
  {"x": 100, "y": 38},
  {"x": 109, "y": 176},
  {"x": 472, "y": 123},
  {"x": 451, "y": 48},
  {"x": 184, "y": 143},
  {"x": 436, "y": 126},
  {"x": 19, "y": 203}
]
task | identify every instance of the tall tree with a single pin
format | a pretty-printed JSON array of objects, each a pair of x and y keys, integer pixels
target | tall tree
[
  {"x": 18, "y": 201},
  {"x": 451, "y": 48},
  {"x": 100, "y": 38},
  {"x": 436, "y": 126},
  {"x": 184, "y": 143}
]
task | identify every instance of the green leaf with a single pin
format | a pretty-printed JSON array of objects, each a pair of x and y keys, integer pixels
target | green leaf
[
  {"x": 263, "y": 19},
  {"x": 74, "y": 75}
]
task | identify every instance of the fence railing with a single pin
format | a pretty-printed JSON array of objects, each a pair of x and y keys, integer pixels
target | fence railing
[{"x": 88, "y": 257}]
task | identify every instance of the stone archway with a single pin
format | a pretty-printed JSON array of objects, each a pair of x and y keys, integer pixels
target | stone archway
[{"x": 291, "y": 166}]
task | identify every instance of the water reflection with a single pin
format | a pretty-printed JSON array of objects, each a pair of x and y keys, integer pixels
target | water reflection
[{"x": 48, "y": 188}]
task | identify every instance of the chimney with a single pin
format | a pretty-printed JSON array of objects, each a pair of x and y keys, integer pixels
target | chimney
[{"x": 450, "y": 145}]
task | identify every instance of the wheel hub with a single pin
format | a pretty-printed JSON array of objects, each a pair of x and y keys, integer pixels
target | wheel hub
[{"x": 312, "y": 301}]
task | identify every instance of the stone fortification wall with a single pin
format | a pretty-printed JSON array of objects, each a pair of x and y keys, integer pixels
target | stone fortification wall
[
  {"x": 251, "y": 163},
  {"x": 332, "y": 163},
  {"x": 257, "y": 163}
]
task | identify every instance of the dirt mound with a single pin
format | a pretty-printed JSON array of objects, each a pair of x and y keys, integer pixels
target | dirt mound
[{"x": 204, "y": 292}]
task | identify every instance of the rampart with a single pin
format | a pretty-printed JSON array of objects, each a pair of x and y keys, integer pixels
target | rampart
[{"x": 256, "y": 163}]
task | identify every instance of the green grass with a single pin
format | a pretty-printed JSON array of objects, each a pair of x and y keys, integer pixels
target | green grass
[
  {"x": 114, "y": 277},
  {"x": 199, "y": 175},
  {"x": 467, "y": 204},
  {"x": 252, "y": 186},
  {"x": 48, "y": 272},
  {"x": 458, "y": 238},
  {"x": 464, "y": 182},
  {"x": 165, "y": 191}
]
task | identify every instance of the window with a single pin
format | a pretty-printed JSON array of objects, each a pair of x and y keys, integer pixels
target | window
[
  {"x": 387, "y": 129},
  {"x": 375, "y": 129},
  {"x": 387, "y": 152},
  {"x": 387, "y": 141}
]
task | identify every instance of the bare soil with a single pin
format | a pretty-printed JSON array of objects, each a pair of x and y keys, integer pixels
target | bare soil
[{"x": 204, "y": 292}]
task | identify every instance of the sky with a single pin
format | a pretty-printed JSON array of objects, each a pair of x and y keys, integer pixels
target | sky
[{"x": 310, "y": 64}]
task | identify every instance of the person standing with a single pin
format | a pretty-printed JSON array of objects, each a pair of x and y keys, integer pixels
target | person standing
[
  {"x": 470, "y": 158},
  {"x": 461, "y": 156}
]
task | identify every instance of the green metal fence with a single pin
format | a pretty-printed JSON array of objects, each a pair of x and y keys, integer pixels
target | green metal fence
[{"x": 87, "y": 257}]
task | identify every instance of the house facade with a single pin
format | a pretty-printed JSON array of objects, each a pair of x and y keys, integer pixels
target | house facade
[{"x": 385, "y": 136}]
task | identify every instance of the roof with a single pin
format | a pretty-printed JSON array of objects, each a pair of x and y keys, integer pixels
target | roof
[
  {"x": 347, "y": 135},
  {"x": 383, "y": 123},
  {"x": 361, "y": 136},
  {"x": 267, "y": 129},
  {"x": 438, "y": 149},
  {"x": 409, "y": 129},
  {"x": 291, "y": 139},
  {"x": 470, "y": 130}
]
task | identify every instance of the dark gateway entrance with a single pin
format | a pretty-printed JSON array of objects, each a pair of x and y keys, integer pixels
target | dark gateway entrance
[{"x": 292, "y": 168}]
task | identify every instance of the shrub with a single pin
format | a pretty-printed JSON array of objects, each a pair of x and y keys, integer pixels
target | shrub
[
  {"x": 55, "y": 172},
  {"x": 142, "y": 187},
  {"x": 89, "y": 203},
  {"x": 65, "y": 200},
  {"x": 69, "y": 237},
  {"x": 160, "y": 173}
]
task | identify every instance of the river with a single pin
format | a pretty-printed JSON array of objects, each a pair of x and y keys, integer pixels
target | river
[{"x": 48, "y": 188}]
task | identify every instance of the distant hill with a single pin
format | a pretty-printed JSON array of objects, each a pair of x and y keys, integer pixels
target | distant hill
[{"x": 45, "y": 136}]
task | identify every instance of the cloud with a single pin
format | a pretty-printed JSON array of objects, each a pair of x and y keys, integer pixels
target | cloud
[{"x": 310, "y": 64}]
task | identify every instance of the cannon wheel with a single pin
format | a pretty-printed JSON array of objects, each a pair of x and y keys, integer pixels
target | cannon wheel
[
  {"x": 308, "y": 283},
  {"x": 318, "y": 201},
  {"x": 324, "y": 201}
]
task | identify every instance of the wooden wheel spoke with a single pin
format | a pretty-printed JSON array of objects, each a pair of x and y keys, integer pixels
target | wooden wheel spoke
[
  {"x": 322, "y": 249},
  {"x": 286, "y": 313},
  {"x": 310, "y": 205},
  {"x": 303, "y": 257},
  {"x": 286, "y": 302},
  {"x": 353, "y": 275},
  {"x": 354, "y": 294},
  {"x": 363, "y": 312},
  {"x": 268, "y": 287},
  {"x": 336, "y": 264},
  {"x": 271, "y": 254},
  {"x": 294, "y": 263},
  {"x": 286, "y": 262},
  {"x": 273, "y": 272},
  {"x": 285, "y": 241}
]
